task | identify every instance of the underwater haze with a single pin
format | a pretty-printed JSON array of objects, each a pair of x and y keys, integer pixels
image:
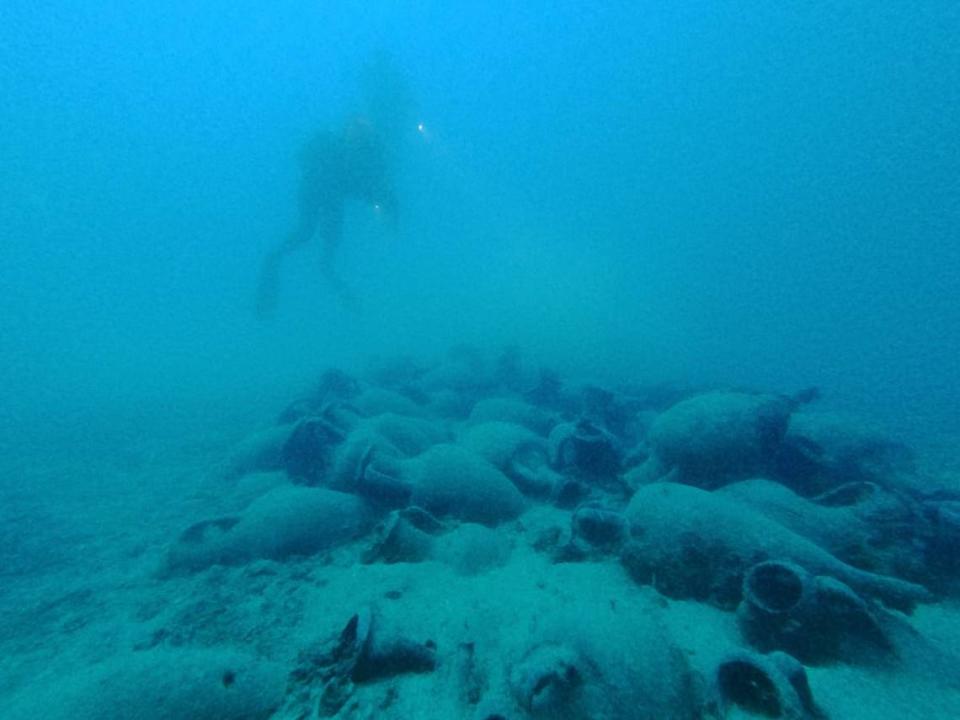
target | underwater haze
[
  {"x": 746, "y": 192},
  {"x": 665, "y": 212}
]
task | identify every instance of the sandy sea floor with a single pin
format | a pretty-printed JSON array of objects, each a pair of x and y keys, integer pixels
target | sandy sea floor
[{"x": 84, "y": 530}]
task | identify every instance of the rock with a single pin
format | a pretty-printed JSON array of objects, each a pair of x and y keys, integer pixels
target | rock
[
  {"x": 377, "y": 401},
  {"x": 498, "y": 441},
  {"x": 873, "y": 529},
  {"x": 718, "y": 437},
  {"x": 248, "y": 488},
  {"x": 517, "y": 452},
  {"x": 334, "y": 387},
  {"x": 512, "y": 411},
  {"x": 368, "y": 461},
  {"x": 699, "y": 545},
  {"x": 261, "y": 452},
  {"x": 160, "y": 685},
  {"x": 824, "y": 450},
  {"x": 815, "y": 619},
  {"x": 308, "y": 451},
  {"x": 472, "y": 549},
  {"x": 404, "y": 538},
  {"x": 410, "y": 435},
  {"x": 774, "y": 686},
  {"x": 610, "y": 667},
  {"x": 327, "y": 673},
  {"x": 450, "y": 480},
  {"x": 413, "y": 535},
  {"x": 285, "y": 522},
  {"x": 586, "y": 451},
  {"x": 599, "y": 526}
]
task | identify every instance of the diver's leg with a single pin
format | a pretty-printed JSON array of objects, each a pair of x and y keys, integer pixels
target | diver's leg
[
  {"x": 269, "y": 284},
  {"x": 331, "y": 222}
]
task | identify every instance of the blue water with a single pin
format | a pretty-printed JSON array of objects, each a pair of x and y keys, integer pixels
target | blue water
[
  {"x": 746, "y": 192},
  {"x": 751, "y": 194}
]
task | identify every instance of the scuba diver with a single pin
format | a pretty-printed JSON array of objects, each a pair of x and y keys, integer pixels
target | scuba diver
[{"x": 336, "y": 167}]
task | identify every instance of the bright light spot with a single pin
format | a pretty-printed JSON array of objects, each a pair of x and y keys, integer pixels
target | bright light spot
[
  {"x": 377, "y": 207},
  {"x": 420, "y": 127}
]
